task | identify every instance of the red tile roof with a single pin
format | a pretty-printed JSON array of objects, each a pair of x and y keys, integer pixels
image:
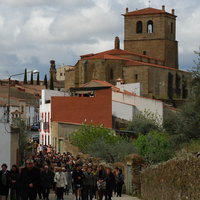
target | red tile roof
[
  {"x": 138, "y": 63},
  {"x": 114, "y": 88},
  {"x": 117, "y": 52},
  {"x": 104, "y": 56},
  {"x": 146, "y": 11}
]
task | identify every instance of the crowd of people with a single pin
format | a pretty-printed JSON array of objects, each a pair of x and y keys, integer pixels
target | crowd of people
[{"x": 64, "y": 173}]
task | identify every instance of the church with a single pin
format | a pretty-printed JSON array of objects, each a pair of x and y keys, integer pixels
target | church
[{"x": 150, "y": 57}]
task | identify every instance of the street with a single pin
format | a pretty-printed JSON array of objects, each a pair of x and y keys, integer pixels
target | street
[{"x": 72, "y": 197}]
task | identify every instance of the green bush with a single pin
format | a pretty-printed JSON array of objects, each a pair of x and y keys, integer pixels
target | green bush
[
  {"x": 154, "y": 147},
  {"x": 87, "y": 134},
  {"x": 144, "y": 123}
]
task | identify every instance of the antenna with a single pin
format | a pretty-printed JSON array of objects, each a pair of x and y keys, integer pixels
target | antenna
[{"x": 149, "y": 3}]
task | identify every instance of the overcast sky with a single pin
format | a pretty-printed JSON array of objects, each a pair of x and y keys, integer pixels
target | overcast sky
[{"x": 34, "y": 32}]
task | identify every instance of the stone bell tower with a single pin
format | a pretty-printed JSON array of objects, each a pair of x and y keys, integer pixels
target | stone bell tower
[
  {"x": 152, "y": 32},
  {"x": 52, "y": 70}
]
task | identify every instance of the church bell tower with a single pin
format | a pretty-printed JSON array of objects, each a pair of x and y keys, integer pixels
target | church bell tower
[{"x": 152, "y": 32}]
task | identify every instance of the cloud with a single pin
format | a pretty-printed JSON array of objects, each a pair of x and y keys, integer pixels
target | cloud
[{"x": 34, "y": 32}]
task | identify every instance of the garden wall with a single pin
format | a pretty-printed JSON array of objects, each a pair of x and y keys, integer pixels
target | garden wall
[{"x": 176, "y": 179}]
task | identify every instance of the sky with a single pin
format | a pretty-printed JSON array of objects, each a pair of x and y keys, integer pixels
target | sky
[{"x": 34, "y": 32}]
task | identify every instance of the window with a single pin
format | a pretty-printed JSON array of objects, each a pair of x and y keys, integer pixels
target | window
[
  {"x": 60, "y": 74},
  {"x": 22, "y": 109},
  {"x": 144, "y": 53},
  {"x": 136, "y": 76},
  {"x": 150, "y": 26},
  {"x": 172, "y": 28},
  {"x": 139, "y": 27},
  {"x": 111, "y": 74}
]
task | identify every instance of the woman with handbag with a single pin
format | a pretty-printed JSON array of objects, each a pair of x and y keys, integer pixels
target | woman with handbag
[{"x": 101, "y": 177}]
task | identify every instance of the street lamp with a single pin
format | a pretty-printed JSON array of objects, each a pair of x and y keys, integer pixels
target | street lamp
[{"x": 8, "y": 108}]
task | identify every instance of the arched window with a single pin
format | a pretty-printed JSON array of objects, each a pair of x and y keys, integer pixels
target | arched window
[
  {"x": 139, "y": 27},
  {"x": 111, "y": 74},
  {"x": 150, "y": 26}
]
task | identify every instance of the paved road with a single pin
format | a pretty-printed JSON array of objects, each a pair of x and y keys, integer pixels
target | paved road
[{"x": 72, "y": 197}]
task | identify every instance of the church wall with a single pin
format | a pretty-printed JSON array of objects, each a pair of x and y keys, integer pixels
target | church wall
[
  {"x": 160, "y": 82},
  {"x": 135, "y": 74},
  {"x": 69, "y": 79},
  {"x": 98, "y": 69}
]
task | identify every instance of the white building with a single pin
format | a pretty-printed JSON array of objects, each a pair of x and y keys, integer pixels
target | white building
[
  {"x": 5, "y": 137},
  {"x": 126, "y": 104},
  {"x": 45, "y": 114}
]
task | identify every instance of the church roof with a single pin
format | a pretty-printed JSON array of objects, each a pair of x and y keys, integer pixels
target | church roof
[
  {"x": 111, "y": 54},
  {"x": 138, "y": 63},
  {"x": 146, "y": 11},
  {"x": 114, "y": 52},
  {"x": 104, "y": 56}
]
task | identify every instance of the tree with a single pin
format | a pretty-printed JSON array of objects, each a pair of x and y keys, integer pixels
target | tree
[
  {"x": 51, "y": 83},
  {"x": 87, "y": 134},
  {"x": 31, "y": 81},
  {"x": 99, "y": 142},
  {"x": 38, "y": 79},
  {"x": 189, "y": 116},
  {"x": 111, "y": 153},
  {"x": 19, "y": 122},
  {"x": 154, "y": 147},
  {"x": 144, "y": 123},
  {"x": 45, "y": 81},
  {"x": 25, "y": 76}
]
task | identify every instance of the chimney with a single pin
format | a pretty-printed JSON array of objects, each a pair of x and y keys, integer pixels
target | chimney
[
  {"x": 117, "y": 42},
  {"x": 127, "y": 10},
  {"x": 173, "y": 12},
  {"x": 163, "y": 8}
]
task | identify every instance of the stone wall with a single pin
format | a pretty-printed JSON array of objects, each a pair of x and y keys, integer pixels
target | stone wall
[{"x": 176, "y": 179}]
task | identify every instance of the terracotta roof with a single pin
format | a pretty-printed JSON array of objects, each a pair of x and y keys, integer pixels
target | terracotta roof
[
  {"x": 123, "y": 52},
  {"x": 16, "y": 111},
  {"x": 13, "y": 98},
  {"x": 147, "y": 11},
  {"x": 2, "y": 103},
  {"x": 104, "y": 56},
  {"x": 117, "y": 52},
  {"x": 114, "y": 88},
  {"x": 138, "y": 63}
]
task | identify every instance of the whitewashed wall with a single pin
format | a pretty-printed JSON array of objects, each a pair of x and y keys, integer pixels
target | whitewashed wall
[
  {"x": 5, "y": 139},
  {"x": 46, "y": 108},
  {"x": 141, "y": 103},
  {"x": 122, "y": 110}
]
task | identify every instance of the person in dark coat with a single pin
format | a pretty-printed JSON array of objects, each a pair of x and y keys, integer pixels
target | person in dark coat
[
  {"x": 30, "y": 179},
  {"x": 14, "y": 189},
  {"x": 78, "y": 177},
  {"x": 4, "y": 181},
  {"x": 110, "y": 184},
  {"x": 47, "y": 181},
  {"x": 101, "y": 181},
  {"x": 120, "y": 182},
  {"x": 88, "y": 184}
]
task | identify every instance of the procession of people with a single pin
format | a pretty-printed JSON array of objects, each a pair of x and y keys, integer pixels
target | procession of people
[{"x": 62, "y": 174}]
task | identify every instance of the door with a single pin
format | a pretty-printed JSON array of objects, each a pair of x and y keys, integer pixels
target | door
[
  {"x": 61, "y": 146},
  {"x": 128, "y": 179}
]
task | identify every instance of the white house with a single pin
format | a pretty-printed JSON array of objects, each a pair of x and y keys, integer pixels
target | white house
[
  {"x": 5, "y": 137},
  {"x": 45, "y": 114},
  {"x": 126, "y": 104}
]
